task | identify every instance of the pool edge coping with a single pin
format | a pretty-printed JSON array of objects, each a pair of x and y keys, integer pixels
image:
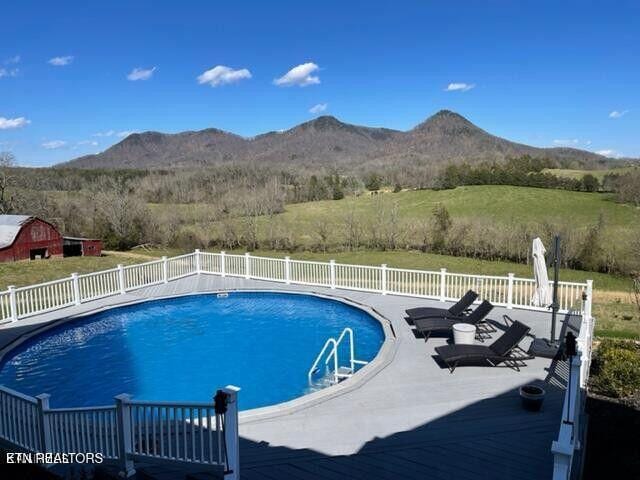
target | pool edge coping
[{"x": 383, "y": 358}]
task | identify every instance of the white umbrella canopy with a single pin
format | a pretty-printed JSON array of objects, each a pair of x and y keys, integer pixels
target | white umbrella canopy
[{"x": 542, "y": 295}]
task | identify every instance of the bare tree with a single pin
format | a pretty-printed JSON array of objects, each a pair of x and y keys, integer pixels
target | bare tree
[
  {"x": 123, "y": 215},
  {"x": 7, "y": 200},
  {"x": 352, "y": 229},
  {"x": 323, "y": 230}
]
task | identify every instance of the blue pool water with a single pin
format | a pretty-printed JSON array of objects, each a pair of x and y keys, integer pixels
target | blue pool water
[{"x": 183, "y": 349}]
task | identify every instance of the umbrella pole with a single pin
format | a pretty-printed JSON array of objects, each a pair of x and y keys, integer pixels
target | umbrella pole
[
  {"x": 549, "y": 347},
  {"x": 556, "y": 273}
]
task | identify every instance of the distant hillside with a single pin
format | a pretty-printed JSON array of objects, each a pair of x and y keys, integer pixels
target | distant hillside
[{"x": 445, "y": 137}]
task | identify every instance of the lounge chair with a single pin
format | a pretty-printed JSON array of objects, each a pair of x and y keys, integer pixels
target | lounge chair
[
  {"x": 426, "y": 326},
  {"x": 456, "y": 310},
  {"x": 500, "y": 351}
]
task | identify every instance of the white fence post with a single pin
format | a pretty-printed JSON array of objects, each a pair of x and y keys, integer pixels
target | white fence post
[
  {"x": 332, "y": 273},
  {"x": 76, "y": 288},
  {"x": 588, "y": 303},
  {"x": 121, "y": 279},
  {"x": 197, "y": 255},
  {"x": 13, "y": 305},
  {"x": 384, "y": 278},
  {"x": 231, "y": 433},
  {"x": 165, "y": 269},
  {"x": 510, "y": 291},
  {"x": 123, "y": 417},
  {"x": 287, "y": 270},
  {"x": 223, "y": 264},
  {"x": 43, "y": 420},
  {"x": 562, "y": 458},
  {"x": 247, "y": 265},
  {"x": 443, "y": 284}
]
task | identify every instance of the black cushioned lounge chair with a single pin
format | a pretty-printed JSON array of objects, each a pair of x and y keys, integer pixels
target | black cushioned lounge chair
[
  {"x": 504, "y": 350},
  {"x": 426, "y": 326},
  {"x": 456, "y": 310}
]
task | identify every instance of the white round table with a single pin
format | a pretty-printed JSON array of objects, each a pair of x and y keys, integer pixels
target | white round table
[{"x": 464, "y": 333}]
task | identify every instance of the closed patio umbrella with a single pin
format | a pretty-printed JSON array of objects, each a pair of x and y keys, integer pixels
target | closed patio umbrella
[{"x": 542, "y": 295}]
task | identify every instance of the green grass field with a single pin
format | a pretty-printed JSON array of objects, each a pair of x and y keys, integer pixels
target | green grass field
[
  {"x": 492, "y": 204},
  {"x": 578, "y": 174},
  {"x": 28, "y": 272}
]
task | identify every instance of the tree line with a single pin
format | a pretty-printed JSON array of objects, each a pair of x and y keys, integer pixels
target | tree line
[{"x": 237, "y": 207}]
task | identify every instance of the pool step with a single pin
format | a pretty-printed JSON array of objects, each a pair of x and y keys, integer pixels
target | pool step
[
  {"x": 344, "y": 372},
  {"x": 328, "y": 380}
]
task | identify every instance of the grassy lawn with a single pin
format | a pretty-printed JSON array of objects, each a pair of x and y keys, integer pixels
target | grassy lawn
[
  {"x": 578, "y": 174},
  {"x": 490, "y": 204},
  {"x": 497, "y": 204},
  {"x": 30, "y": 272}
]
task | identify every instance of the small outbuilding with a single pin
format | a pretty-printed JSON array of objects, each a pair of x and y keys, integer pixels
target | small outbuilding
[
  {"x": 24, "y": 237},
  {"x": 81, "y": 247}
]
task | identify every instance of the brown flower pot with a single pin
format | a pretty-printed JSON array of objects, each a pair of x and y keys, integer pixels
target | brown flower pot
[{"x": 532, "y": 397}]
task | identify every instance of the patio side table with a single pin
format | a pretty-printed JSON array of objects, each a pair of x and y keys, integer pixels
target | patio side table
[{"x": 464, "y": 333}]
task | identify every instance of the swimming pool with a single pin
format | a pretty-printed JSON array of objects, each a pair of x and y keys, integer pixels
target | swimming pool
[{"x": 183, "y": 349}]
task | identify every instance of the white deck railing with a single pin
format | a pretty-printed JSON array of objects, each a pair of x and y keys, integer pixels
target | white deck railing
[
  {"x": 127, "y": 431},
  {"x": 570, "y": 436},
  {"x": 508, "y": 291}
]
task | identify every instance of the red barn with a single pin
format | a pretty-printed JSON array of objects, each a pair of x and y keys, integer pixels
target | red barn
[{"x": 25, "y": 237}]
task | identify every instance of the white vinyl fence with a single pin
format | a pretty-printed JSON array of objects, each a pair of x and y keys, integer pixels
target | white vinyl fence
[
  {"x": 127, "y": 431},
  {"x": 508, "y": 291}
]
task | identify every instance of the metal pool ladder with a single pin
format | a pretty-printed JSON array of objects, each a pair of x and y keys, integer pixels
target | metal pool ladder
[{"x": 338, "y": 372}]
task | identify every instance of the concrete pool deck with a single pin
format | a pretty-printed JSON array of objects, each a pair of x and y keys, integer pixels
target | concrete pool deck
[{"x": 408, "y": 418}]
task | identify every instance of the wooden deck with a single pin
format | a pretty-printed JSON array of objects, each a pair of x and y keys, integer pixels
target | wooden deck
[{"x": 412, "y": 419}]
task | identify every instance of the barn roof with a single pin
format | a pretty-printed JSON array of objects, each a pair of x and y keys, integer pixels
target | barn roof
[{"x": 10, "y": 226}]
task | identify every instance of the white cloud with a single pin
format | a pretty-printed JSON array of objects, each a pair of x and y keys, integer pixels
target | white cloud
[
  {"x": 12, "y": 60},
  {"x": 18, "y": 122},
  {"x": 609, "y": 153},
  {"x": 61, "y": 61},
  {"x": 300, "y": 75},
  {"x": 113, "y": 133},
  {"x": 459, "y": 87},
  {"x": 221, "y": 75},
  {"x": 4, "y": 72},
  {"x": 108, "y": 133},
  {"x": 319, "y": 108},
  {"x": 53, "y": 144},
  {"x": 618, "y": 114},
  {"x": 141, "y": 74},
  {"x": 566, "y": 142},
  {"x": 92, "y": 143}
]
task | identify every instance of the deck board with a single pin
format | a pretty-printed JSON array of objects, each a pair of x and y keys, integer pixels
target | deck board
[{"x": 411, "y": 420}]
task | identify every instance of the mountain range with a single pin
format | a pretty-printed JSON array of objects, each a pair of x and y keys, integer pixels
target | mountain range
[{"x": 445, "y": 137}]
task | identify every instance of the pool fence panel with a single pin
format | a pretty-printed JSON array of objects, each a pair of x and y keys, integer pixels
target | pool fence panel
[
  {"x": 508, "y": 291},
  {"x": 99, "y": 284},
  {"x": 19, "y": 420},
  {"x": 126, "y": 432}
]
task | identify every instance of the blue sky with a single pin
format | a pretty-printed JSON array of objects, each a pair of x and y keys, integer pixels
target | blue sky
[{"x": 76, "y": 76}]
